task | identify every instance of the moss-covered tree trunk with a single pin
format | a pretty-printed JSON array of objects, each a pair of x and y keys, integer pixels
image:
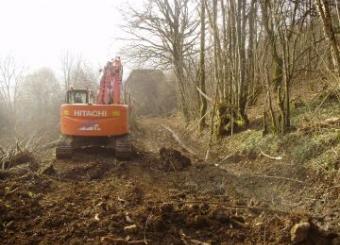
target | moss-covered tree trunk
[{"x": 280, "y": 80}]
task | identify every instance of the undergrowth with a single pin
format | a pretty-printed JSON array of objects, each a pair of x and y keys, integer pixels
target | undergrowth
[{"x": 319, "y": 147}]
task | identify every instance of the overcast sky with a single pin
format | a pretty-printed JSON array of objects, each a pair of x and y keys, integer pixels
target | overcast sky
[{"x": 37, "y": 32}]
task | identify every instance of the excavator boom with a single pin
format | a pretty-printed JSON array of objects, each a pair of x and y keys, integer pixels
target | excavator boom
[{"x": 110, "y": 83}]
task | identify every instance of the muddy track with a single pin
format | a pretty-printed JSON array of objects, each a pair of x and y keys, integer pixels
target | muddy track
[{"x": 163, "y": 196}]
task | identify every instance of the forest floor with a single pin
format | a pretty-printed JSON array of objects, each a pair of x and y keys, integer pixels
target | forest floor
[{"x": 169, "y": 195}]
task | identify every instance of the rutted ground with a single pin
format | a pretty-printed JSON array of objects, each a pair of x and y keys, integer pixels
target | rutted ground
[{"x": 164, "y": 196}]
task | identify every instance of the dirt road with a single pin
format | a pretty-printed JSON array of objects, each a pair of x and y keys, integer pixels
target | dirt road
[{"x": 165, "y": 196}]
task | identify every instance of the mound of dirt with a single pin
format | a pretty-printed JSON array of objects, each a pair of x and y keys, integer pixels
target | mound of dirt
[
  {"x": 173, "y": 160},
  {"x": 78, "y": 171}
]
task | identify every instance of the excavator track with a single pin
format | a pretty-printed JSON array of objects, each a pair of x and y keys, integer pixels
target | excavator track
[
  {"x": 63, "y": 152},
  {"x": 123, "y": 148}
]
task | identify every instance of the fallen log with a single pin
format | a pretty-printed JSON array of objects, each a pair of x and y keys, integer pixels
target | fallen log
[
  {"x": 279, "y": 177},
  {"x": 270, "y": 157}
]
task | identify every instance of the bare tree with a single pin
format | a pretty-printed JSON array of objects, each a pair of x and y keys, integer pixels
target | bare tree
[
  {"x": 228, "y": 21},
  {"x": 82, "y": 76},
  {"x": 67, "y": 65},
  {"x": 77, "y": 73},
  {"x": 39, "y": 97},
  {"x": 10, "y": 79},
  {"x": 282, "y": 23},
  {"x": 164, "y": 34},
  {"x": 324, "y": 10},
  {"x": 202, "y": 75},
  {"x": 40, "y": 93}
]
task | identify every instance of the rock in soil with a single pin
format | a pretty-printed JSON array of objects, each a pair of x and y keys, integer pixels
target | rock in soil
[{"x": 299, "y": 232}]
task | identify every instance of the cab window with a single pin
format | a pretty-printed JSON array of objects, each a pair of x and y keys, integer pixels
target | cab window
[{"x": 77, "y": 97}]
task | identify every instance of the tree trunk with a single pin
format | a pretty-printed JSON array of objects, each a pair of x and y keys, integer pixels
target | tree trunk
[
  {"x": 326, "y": 18},
  {"x": 203, "y": 100}
]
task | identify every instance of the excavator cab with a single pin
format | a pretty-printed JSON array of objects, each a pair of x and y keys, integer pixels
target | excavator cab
[{"x": 77, "y": 96}]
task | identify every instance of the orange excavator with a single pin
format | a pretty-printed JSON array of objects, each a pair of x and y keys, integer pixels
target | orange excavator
[{"x": 85, "y": 124}]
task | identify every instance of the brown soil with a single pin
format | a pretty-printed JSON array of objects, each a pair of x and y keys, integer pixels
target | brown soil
[{"x": 166, "y": 196}]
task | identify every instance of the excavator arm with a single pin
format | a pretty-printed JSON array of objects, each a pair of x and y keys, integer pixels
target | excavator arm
[{"x": 110, "y": 83}]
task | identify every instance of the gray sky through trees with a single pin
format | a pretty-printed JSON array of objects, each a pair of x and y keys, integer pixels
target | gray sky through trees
[{"x": 37, "y": 32}]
